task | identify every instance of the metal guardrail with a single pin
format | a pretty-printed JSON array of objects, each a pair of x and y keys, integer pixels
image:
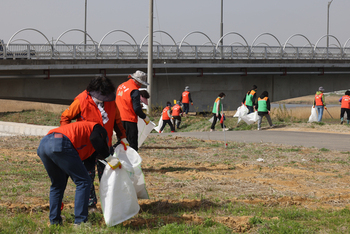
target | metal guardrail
[{"x": 91, "y": 51}]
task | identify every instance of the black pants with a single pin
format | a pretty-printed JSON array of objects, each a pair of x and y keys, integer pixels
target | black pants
[
  {"x": 177, "y": 121},
  {"x": 214, "y": 121},
  {"x": 167, "y": 122},
  {"x": 89, "y": 164},
  {"x": 343, "y": 110},
  {"x": 131, "y": 134}
]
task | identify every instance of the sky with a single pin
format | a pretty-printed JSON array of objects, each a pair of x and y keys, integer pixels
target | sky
[{"x": 248, "y": 18}]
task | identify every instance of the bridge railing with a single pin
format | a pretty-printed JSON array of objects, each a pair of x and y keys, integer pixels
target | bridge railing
[{"x": 93, "y": 51}]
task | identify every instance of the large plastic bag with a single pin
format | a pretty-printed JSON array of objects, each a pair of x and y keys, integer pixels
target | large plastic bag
[
  {"x": 241, "y": 111},
  {"x": 131, "y": 157},
  {"x": 160, "y": 123},
  {"x": 117, "y": 194},
  {"x": 313, "y": 116},
  {"x": 211, "y": 120},
  {"x": 144, "y": 130},
  {"x": 251, "y": 118}
]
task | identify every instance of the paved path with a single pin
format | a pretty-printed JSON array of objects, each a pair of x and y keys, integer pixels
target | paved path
[
  {"x": 330, "y": 141},
  {"x": 308, "y": 139}
]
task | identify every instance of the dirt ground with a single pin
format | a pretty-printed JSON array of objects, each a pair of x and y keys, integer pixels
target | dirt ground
[{"x": 191, "y": 173}]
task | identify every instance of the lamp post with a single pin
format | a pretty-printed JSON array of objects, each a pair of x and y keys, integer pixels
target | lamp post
[
  {"x": 329, "y": 4},
  {"x": 150, "y": 57},
  {"x": 222, "y": 28},
  {"x": 85, "y": 22}
]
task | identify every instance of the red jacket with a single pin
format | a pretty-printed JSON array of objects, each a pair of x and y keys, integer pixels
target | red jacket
[
  {"x": 345, "y": 102},
  {"x": 165, "y": 115},
  {"x": 86, "y": 109},
  {"x": 124, "y": 101},
  {"x": 318, "y": 99},
  {"x": 185, "y": 97},
  {"x": 79, "y": 134},
  {"x": 176, "y": 110}
]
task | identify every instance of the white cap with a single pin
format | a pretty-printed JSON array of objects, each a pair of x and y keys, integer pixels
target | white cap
[{"x": 140, "y": 77}]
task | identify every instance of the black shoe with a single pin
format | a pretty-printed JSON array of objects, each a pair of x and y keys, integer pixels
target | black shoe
[{"x": 341, "y": 122}]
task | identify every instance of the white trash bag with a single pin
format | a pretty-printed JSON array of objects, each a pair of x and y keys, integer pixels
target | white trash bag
[
  {"x": 160, "y": 123},
  {"x": 117, "y": 194},
  {"x": 241, "y": 111},
  {"x": 251, "y": 118},
  {"x": 313, "y": 116},
  {"x": 144, "y": 130},
  {"x": 211, "y": 120},
  {"x": 131, "y": 157}
]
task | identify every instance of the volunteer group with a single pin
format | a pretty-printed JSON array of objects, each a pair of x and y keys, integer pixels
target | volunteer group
[{"x": 75, "y": 148}]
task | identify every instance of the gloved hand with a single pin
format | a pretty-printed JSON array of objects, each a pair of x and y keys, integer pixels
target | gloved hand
[
  {"x": 113, "y": 162},
  {"x": 147, "y": 120},
  {"x": 124, "y": 142},
  {"x": 325, "y": 107},
  {"x": 192, "y": 103},
  {"x": 313, "y": 106}
]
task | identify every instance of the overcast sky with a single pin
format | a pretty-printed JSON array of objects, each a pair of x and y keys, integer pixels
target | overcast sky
[{"x": 249, "y": 18}]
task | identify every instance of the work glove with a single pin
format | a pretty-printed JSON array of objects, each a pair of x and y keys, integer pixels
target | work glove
[
  {"x": 325, "y": 107},
  {"x": 113, "y": 162},
  {"x": 147, "y": 120},
  {"x": 192, "y": 103},
  {"x": 124, "y": 142},
  {"x": 313, "y": 106}
]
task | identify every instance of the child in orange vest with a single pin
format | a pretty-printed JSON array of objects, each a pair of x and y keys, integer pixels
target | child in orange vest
[{"x": 167, "y": 117}]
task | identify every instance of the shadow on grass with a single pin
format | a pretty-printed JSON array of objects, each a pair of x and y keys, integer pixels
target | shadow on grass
[
  {"x": 164, "y": 170},
  {"x": 169, "y": 147}
]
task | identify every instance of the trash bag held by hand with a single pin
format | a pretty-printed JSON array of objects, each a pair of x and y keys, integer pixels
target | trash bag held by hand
[
  {"x": 144, "y": 130},
  {"x": 251, "y": 118},
  {"x": 241, "y": 111},
  {"x": 160, "y": 123},
  {"x": 118, "y": 196},
  {"x": 131, "y": 157},
  {"x": 313, "y": 116}
]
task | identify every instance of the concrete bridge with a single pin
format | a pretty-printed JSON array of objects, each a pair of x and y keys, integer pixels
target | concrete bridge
[
  {"x": 60, "y": 80},
  {"x": 55, "y": 72}
]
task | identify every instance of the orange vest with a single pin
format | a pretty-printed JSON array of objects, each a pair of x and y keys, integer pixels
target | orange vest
[
  {"x": 165, "y": 115},
  {"x": 79, "y": 134},
  {"x": 345, "y": 102},
  {"x": 185, "y": 98},
  {"x": 91, "y": 113},
  {"x": 124, "y": 101},
  {"x": 318, "y": 99},
  {"x": 176, "y": 110}
]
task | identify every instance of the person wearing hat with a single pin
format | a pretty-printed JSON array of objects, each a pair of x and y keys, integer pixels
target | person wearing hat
[
  {"x": 128, "y": 102},
  {"x": 319, "y": 102},
  {"x": 62, "y": 151},
  {"x": 97, "y": 104},
  {"x": 186, "y": 99},
  {"x": 176, "y": 113},
  {"x": 249, "y": 99},
  {"x": 167, "y": 117}
]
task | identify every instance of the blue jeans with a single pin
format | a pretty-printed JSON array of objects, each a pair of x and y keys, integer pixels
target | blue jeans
[
  {"x": 62, "y": 160},
  {"x": 251, "y": 109},
  {"x": 320, "y": 112}
]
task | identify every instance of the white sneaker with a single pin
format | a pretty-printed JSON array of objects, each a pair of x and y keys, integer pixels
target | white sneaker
[
  {"x": 259, "y": 129},
  {"x": 225, "y": 129},
  {"x": 212, "y": 130},
  {"x": 272, "y": 126}
]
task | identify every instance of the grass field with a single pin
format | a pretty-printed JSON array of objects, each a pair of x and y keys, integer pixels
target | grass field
[{"x": 196, "y": 186}]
